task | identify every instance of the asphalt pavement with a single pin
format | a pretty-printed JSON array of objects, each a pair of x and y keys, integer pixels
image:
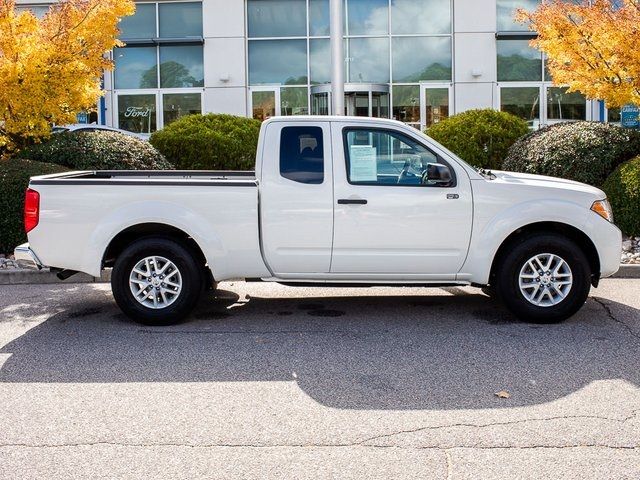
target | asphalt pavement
[{"x": 267, "y": 381}]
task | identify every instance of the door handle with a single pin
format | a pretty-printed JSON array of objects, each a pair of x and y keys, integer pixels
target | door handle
[{"x": 352, "y": 201}]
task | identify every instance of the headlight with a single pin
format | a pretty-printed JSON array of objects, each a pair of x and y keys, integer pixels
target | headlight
[{"x": 603, "y": 208}]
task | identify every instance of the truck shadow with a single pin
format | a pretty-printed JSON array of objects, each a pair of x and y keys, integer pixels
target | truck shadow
[{"x": 365, "y": 352}]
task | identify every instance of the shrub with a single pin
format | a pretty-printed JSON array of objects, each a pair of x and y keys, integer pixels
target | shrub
[
  {"x": 209, "y": 142},
  {"x": 623, "y": 189},
  {"x": 14, "y": 179},
  {"x": 97, "y": 151},
  {"x": 584, "y": 151},
  {"x": 480, "y": 137}
]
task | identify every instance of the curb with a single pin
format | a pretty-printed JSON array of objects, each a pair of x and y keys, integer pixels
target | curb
[
  {"x": 42, "y": 277},
  {"x": 627, "y": 271}
]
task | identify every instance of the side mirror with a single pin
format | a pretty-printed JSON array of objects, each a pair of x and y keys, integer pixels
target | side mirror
[{"x": 438, "y": 174}]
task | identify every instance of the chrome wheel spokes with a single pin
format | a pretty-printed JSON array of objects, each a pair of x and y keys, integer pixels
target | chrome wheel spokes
[
  {"x": 545, "y": 280},
  {"x": 155, "y": 282}
]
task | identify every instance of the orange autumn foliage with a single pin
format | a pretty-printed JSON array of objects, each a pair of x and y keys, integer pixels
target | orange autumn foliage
[
  {"x": 50, "y": 68},
  {"x": 591, "y": 46}
]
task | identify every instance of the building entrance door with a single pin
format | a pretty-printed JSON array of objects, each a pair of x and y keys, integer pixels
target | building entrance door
[
  {"x": 360, "y": 100},
  {"x": 265, "y": 102},
  {"x": 435, "y": 105}
]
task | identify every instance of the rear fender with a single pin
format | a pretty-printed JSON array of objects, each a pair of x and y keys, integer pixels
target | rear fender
[{"x": 190, "y": 222}]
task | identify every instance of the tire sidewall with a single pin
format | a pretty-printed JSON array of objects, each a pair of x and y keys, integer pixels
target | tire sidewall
[
  {"x": 509, "y": 277},
  {"x": 192, "y": 283}
]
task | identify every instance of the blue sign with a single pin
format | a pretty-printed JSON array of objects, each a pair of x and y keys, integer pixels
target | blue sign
[
  {"x": 630, "y": 116},
  {"x": 82, "y": 117}
]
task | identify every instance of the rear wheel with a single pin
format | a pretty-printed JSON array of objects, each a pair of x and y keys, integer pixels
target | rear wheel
[
  {"x": 544, "y": 278},
  {"x": 157, "y": 281}
]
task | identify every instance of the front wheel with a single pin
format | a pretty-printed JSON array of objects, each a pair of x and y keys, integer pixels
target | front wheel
[
  {"x": 156, "y": 281},
  {"x": 544, "y": 278}
]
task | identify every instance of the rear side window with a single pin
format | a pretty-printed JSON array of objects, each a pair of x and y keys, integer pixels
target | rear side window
[{"x": 302, "y": 154}]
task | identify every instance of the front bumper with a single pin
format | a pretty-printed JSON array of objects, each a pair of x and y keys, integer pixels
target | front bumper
[
  {"x": 26, "y": 258},
  {"x": 608, "y": 242}
]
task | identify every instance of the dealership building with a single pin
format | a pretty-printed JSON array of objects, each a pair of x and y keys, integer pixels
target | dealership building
[{"x": 417, "y": 61}]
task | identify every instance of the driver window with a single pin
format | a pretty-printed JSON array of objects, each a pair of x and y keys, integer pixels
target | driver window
[{"x": 381, "y": 157}]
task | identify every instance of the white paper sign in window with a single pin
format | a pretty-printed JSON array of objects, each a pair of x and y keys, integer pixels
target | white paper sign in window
[{"x": 362, "y": 163}]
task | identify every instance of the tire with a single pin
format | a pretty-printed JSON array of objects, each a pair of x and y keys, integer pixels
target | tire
[
  {"x": 168, "y": 307},
  {"x": 562, "y": 299}
]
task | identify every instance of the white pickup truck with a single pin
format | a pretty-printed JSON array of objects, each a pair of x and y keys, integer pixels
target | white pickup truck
[{"x": 333, "y": 201}]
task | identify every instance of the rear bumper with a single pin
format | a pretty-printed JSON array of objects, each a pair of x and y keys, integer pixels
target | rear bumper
[{"x": 27, "y": 258}]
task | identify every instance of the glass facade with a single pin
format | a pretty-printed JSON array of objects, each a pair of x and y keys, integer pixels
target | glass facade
[
  {"x": 517, "y": 61},
  {"x": 278, "y": 62},
  {"x": 163, "y": 58},
  {"x": 136, "y": 67},
  {"x": 140, "y": 25},
  {"x": 436, "y": 105},
  {"x": 389, "y": 42},
  {"x": 524, "y": 85},
  {"x": 180, "y": 20},
  {"x": 175, "y": 105},
  {"x": 565, "y": 106},
  {"x": 264, "y": 104},
  {"x": 293, "y": 101},
  {"x": 137, "y": 113},
  {"x": 406, "y": 103},
  {"x": 38, "y": 11},
  {"x": 398, "y": 63},
  {"x": 523, "y": 102},
  {"x": 181, "y": 66},
  {"x": 418, "y": 59},
  {"x": 506, "y": 11}
]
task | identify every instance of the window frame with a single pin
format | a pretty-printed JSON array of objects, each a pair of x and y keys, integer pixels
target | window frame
[{"x": 392, "y": 132}]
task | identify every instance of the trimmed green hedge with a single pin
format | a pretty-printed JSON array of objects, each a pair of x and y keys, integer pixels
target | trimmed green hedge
[
  {"x": 14, "y": 179},
  {"x": 209, "y": 142},
  {"x": 623, "y": 190},
  {"x": 583, "y": 151},
  {"x": 97, "y": 151},
  {"x": 480, "y": 137}
]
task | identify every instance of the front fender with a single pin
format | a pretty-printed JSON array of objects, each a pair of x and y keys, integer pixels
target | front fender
[{"x": 488, "y": 235}]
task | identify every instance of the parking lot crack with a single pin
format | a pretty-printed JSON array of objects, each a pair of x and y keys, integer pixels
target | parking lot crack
[
  {"x": 370, "y": 442},
  {"x": 496, "y": 424},
  {"x": 447, "y": 449},
  {"x": 612, "y": 317}
]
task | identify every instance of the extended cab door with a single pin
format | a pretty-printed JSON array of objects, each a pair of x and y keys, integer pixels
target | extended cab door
[
  {"x": 296, "y": 197},
  {"x": 391, "y": 216}
]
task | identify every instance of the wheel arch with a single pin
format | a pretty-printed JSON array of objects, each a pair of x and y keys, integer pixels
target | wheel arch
[
  {"x": 569, "y": 231},
  {"x": 141, "y": 230}
]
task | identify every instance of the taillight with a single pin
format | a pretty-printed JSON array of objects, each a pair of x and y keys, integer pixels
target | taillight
[{"x": 31, "y": 209}]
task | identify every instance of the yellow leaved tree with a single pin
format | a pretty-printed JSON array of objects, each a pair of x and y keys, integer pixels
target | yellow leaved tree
[
  {"x": 51, "y": 68},
  {"x": 591, "y": 46}
]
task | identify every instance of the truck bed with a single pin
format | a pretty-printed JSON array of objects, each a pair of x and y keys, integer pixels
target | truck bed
[
  {"x": 81, "y": 212},
  {"x": 150, "y": 177}
]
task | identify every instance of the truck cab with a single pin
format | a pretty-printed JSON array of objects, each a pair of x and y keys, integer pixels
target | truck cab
[{"x": 361, "y": 200}]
